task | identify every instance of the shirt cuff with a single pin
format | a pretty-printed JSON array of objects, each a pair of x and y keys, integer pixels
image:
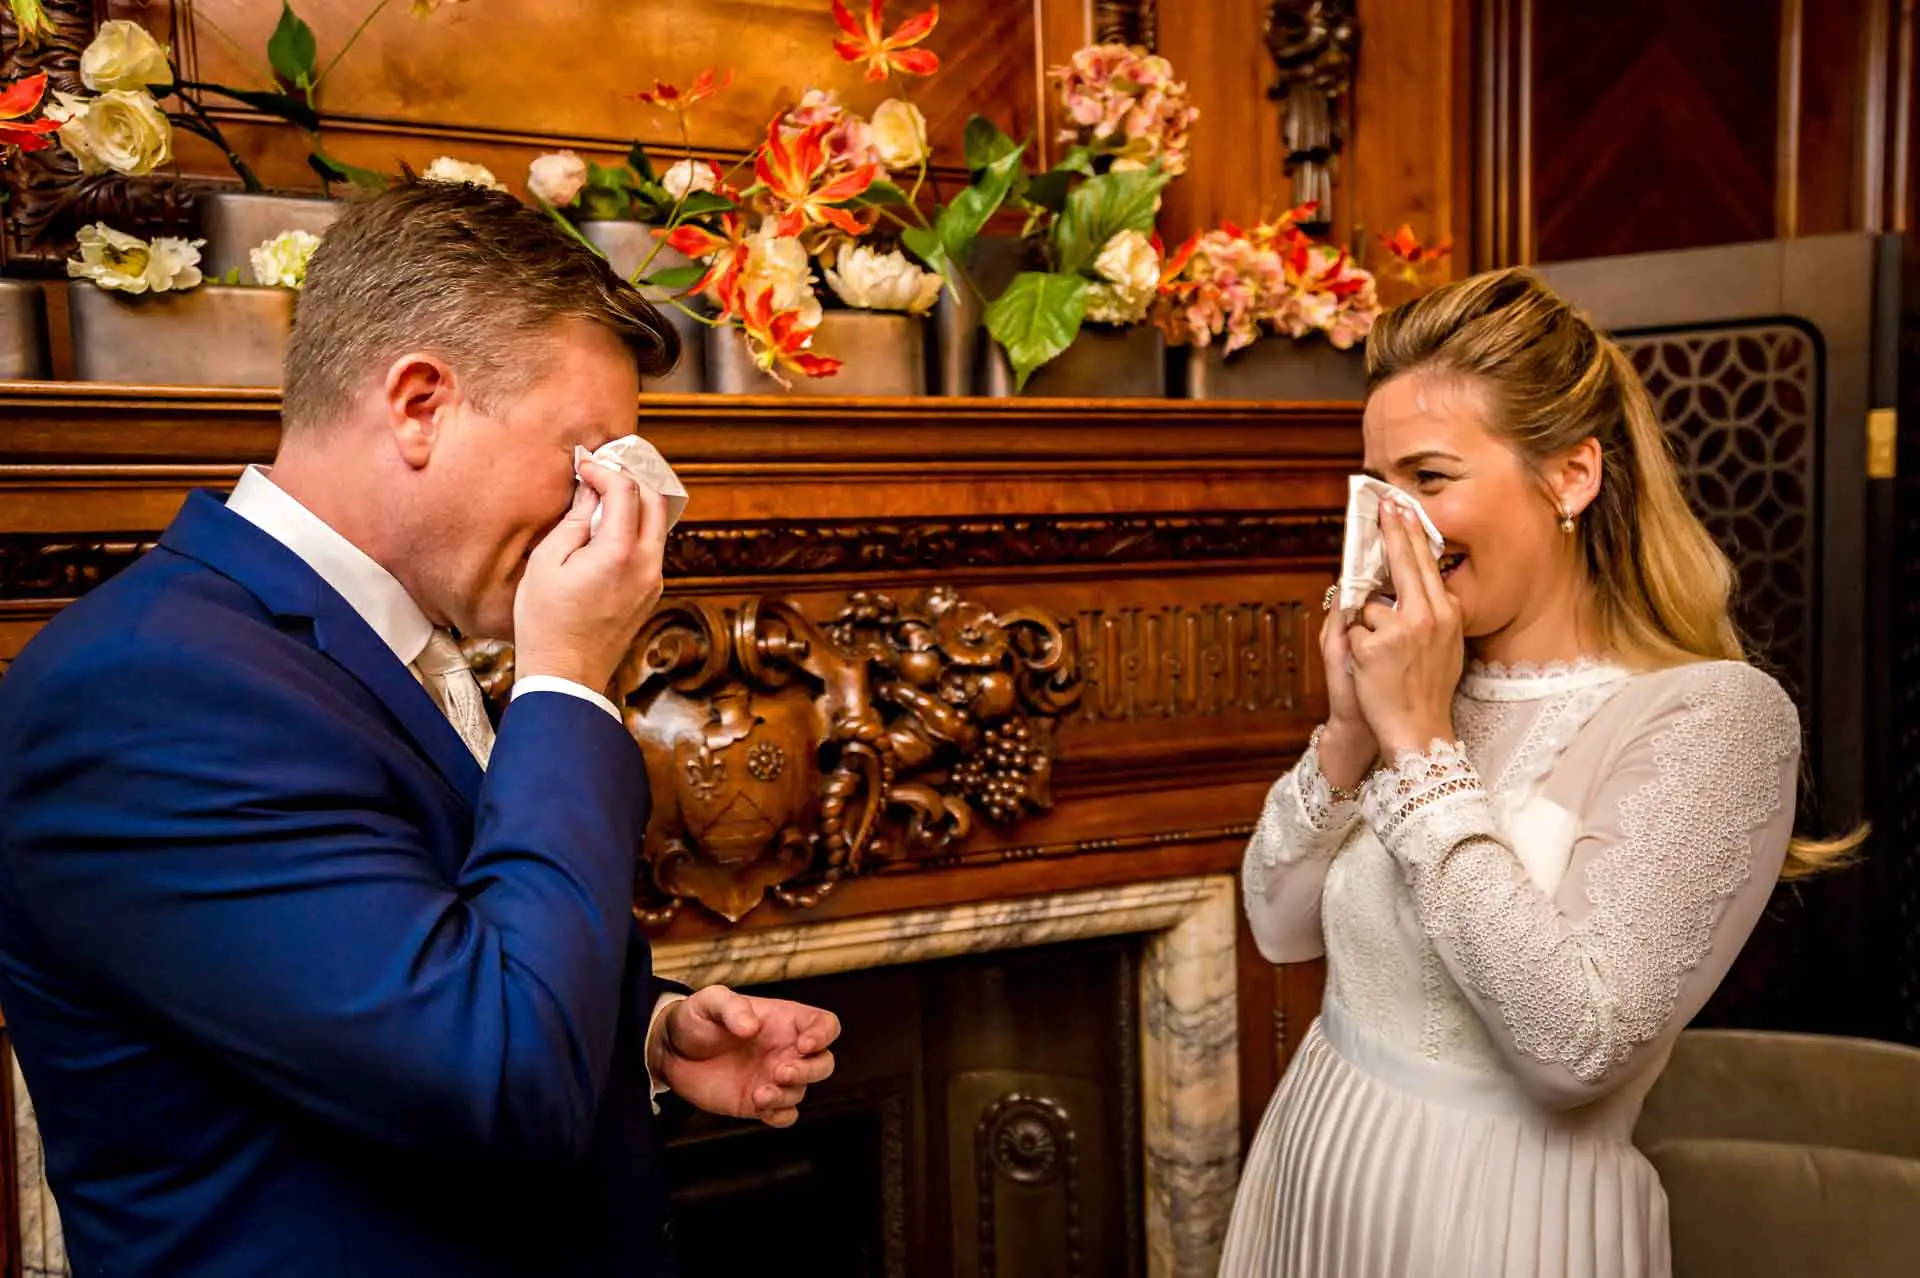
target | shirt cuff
[
  {"x": 554, "y": 683},
  {"x": 658, "y": 1025}
]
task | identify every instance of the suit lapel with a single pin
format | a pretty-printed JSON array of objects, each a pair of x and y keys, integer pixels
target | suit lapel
[{"x": 207, "y": 531}]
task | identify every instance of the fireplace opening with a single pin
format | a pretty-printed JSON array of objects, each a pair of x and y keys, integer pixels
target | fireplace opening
[{"x": 983, "y": 1120}]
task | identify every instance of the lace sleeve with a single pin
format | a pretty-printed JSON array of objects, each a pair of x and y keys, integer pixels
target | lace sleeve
[
  {"x": 1301, "y": 827},
  {"x": 1678, "y": 852}
]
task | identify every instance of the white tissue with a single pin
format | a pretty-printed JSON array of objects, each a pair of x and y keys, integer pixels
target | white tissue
[
  {"x": 1363, "y": 560},
  {"x": 641, "y": 462}
]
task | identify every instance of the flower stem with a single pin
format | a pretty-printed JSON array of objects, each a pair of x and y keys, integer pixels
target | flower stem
[
  {"x": 351, "y": 41},
  {"x": 211, "y": 132}
]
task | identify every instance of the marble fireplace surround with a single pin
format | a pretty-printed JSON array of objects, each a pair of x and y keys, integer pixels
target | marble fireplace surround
[
  {"x": 1189, "y": 1083},
  {"x": 1189, "y": 1036}
]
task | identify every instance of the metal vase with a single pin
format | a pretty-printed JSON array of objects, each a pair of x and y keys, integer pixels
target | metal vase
[
  {"x": 23, "y": 332},
  {"x": 884, "y": 354},
  {"x": 214, "y": 335},
  {"x": 234, "y": 223},
  {"x": 1278, "y": 368},
  {"x": 961, "y": 344},
  {"x": 626, "y": 245},
  {"x": 1102, "y": 363}
]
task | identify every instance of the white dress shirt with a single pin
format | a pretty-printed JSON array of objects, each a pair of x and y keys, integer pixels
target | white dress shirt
[{"x": 382, "y": 602}]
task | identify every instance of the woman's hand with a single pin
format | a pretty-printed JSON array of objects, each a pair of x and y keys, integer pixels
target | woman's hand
[
  {"x": 1347, "y": 749},
  {"x": 1408, "y": 659}
]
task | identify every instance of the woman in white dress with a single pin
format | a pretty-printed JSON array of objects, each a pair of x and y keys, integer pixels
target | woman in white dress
[{"x": 1549, "y": 803}]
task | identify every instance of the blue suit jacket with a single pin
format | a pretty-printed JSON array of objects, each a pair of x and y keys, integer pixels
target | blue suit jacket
[{"x": 297, "y": 989}]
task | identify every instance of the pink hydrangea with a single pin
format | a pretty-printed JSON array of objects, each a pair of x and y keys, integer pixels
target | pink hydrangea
[
  {"x": 1238, "y": 285},
  {"x": 1124, "y": 102}
]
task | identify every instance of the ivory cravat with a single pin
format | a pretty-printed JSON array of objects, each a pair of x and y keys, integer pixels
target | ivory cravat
[{"x": 449, "y": 681}]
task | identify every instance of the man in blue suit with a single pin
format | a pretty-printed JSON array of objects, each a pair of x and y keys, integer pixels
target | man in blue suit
[{"x": 310, "y": 971}]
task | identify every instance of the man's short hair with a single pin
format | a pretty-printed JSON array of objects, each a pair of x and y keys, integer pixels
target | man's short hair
[{"x": 469, "y": 274}]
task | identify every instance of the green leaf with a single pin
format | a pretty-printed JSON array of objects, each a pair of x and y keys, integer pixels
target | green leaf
[
  {"x": 282, "y": 106},
  {"x": 676, "y": 279},
  {"x": 1049, "y": 190},
  {"x": 703, "y": 203},
  {"x": 291, "y": 48},
  {"x": 960, "y": 223},
  {"x": 1099, "y": 209},
  {"x": 927, "y": 246},
  {"x": 607, "y": 178},
  {"x": 332, "y": 170},
  {"x": 231, "y": 277},
  {"x": 1078, "y": 160},
  {"x": 1037, "y": 318},
  {"x": 880, "y": 193},
  {"x": 566, "y": 224},
  {"x": 986, "y": 142},
  {"x": 637, "y": 161},
  {"x": 603, "y": 204}
]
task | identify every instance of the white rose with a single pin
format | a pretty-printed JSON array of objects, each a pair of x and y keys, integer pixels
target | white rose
[
  {"x": 281, "y": 262},
  {"x": 688, "y": 175},
  {"x": 780, "y": 263},
  {"x": 122, "y": 131},
  {"x": 124, "y": 55},
  {"x": 875, "y": 281},
  {"x": 556, "y": 177},
  {"x": 448, "y": 169},
  {"x": 115, "y": 260},
  {"x": 898, "y": 134},
  {"x": 1130, "y": 267}
]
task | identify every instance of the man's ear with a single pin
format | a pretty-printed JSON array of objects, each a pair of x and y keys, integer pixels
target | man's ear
[{"x": 421, "y": 394}]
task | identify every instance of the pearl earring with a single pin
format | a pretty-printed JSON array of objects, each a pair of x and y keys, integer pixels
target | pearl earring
[{"x": 1566, "y": 520}]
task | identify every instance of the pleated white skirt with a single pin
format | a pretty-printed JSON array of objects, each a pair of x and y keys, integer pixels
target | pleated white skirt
[{"x": 1372, "y": 1162}]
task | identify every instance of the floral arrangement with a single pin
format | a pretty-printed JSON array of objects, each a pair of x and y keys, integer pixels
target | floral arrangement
[
  {"x": 824, "y": 212},
  {"x": 1237, "y": 285},
  {"x": 1090, "y": 219},
  {"x": 123, "y": 263},
  {"x": 120, "y": 127}
]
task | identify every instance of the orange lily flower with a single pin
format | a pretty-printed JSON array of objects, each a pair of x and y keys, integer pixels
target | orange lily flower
[
  {"x": 779, "y": 340},
  {"x": 884, "y": 54},
  {"x": 1404, "y": 246},
  {"x": 668, "y": 98},
  {"x": 1178, "y": 262},
  {"x": 16, "y": 100},
  {"x": 788, "y": 168},
  {"x": 727, "y": 256}
]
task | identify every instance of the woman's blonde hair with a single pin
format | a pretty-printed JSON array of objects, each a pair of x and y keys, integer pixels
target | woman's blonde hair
[{"x": 1662, "y": 587}]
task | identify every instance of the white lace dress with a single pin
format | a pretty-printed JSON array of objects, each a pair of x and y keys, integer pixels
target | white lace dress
[{"x": 1516, "y": 928}]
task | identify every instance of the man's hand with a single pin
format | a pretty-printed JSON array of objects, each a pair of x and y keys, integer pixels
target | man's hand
[
  {"x": 586, "y": 593},
  {"x": 743, "y": 1057}
]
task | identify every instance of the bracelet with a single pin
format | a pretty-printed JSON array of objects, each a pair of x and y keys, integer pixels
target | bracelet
[{"x": 1334, "y": 792}]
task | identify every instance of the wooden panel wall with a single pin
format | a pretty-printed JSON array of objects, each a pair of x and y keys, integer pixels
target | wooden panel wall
[{"x": 1667, "y": 124}]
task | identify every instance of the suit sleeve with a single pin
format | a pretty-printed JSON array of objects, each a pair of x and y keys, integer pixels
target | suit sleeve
[{"x": 231, "y": 859}]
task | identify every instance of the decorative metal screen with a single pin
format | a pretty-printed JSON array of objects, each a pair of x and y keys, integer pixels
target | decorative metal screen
[{"x": 1741, "y": 405}]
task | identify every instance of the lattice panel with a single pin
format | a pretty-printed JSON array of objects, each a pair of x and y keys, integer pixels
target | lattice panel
[
  {"x": 1904, "y": 816},
  {"x": 1741, "y": 406}
]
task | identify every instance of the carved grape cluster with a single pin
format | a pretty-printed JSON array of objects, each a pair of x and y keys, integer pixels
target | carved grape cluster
[{"x": 998, "y": 778}]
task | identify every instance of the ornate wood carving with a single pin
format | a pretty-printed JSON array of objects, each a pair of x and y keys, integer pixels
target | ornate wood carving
[
  {"x": 786, "y": 755},
  {"x": 35, "y": 567},
  {"x": 1204, "y": 660},
  {"x": 47, "y": 195},
  {"x": 1126, "y": 22},
  {"x": 1313, "y": 43}
]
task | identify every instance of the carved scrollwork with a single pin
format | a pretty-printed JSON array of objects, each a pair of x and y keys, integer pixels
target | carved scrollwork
[
  {"x": 1313, "y": 43},
  {"x": 786, "y": 755}
]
